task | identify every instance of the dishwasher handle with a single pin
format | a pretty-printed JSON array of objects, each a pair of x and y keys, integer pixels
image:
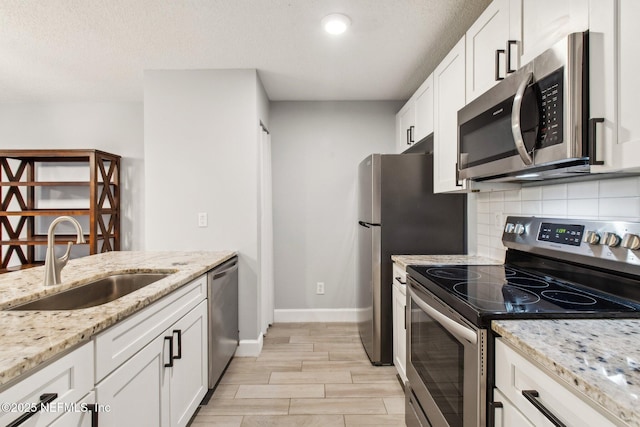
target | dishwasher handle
[{"x": 219, "y": 274}]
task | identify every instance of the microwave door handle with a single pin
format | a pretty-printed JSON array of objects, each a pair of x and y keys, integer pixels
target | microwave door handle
[
  {"x": 453, "y": 327},
  {"x": 515, "y": 120}
]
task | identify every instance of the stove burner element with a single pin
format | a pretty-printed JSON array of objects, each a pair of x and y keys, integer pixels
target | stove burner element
[
  {"x": 569, "y": 297},
  {"x": 527, "y": 282},
  {"x": 495, "y": 293},
  {"x": 453, "y": 273}
]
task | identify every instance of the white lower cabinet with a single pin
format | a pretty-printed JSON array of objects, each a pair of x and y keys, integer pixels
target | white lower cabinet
[
  {"x": 81, "y": 416},
  {"x": 162, "y": 383},
  {"x": 516, "y": 378},
  {"x": 62, "y": 383},
  {"x": 399, "y": 322}
]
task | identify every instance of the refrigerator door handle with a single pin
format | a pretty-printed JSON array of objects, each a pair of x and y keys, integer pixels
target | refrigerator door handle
[{"x": 369, "y": 224}]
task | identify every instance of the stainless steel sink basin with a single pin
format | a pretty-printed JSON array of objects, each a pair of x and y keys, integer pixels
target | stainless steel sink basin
[{"x": 98, "y": 292}]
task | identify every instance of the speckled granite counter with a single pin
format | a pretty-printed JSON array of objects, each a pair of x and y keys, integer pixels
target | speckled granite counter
[
  {"x": 29, "y": 338},
  {"x": 598, "y": 358},
  {"x": 406, "y": 260}
]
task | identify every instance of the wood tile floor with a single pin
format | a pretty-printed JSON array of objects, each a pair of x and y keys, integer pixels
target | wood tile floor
[{"x": 308, "y": 374}]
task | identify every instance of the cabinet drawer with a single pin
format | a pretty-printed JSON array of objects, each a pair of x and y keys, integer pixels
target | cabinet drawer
[
  {"x": 399, "y": 277},
  {"x": 120, "y": 342},
  {"x": 70, "y": 377},
  {"x": 514, "y": 374}
]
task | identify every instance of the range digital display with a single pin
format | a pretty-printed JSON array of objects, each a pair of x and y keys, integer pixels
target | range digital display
[{"x": 564, "y": 234}]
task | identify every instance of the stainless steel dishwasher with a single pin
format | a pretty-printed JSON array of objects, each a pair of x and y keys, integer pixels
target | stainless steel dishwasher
[{"x": 222, "y": 294}]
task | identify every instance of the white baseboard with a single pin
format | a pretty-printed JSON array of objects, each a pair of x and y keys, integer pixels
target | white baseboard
[
  {"x": 315, "y": 315},
  {"x": 250, "y": 348}
]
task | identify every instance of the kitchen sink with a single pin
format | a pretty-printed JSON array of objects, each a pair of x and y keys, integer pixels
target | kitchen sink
[{"x": 94, "y": 293}]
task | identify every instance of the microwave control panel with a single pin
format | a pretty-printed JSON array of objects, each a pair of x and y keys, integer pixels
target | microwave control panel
[{"x": 549, "y": 91}]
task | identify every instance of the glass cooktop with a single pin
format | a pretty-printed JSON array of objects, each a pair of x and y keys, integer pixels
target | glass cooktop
[{"x": 504, "y": 291}]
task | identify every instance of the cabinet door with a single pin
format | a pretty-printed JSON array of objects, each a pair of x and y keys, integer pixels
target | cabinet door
[
  {"x": 188, "y": 376},
  {"x": 405, "y": 126},
  {"x": 80, "y": 416},
  {"x": 544, "y": 22},
  {"x": 137, "y": 392},
  {"x": 70, "y": 378},
  {"x": 423, "y": 104},
  {"x": 449, "y": 97},
  {"x": 505, "y": 414},
  {"x": 486, "y": 44},
  {"x": 399, "y": 330}
]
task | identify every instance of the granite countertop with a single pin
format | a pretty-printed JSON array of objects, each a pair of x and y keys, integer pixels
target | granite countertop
[
  {"x": 406, "y": 260},
  {"x": 29, "y": 338},
  {"x": 599, "y": 358}
]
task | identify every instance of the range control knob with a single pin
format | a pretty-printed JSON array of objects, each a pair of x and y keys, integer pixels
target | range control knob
[
  {"x": 591, "y": 237},
  {"x": 508, "y": 228},
  {"x": 611, "y": 239},
  {"x": 519, "y": 229},
  {"x": 631, "y": 241}
]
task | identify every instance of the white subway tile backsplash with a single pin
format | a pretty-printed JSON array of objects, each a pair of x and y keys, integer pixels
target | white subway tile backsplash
[
  {"x": 512, "y": 208},
  {"x": 583, "y": 190},
  {"x": 554, "y": 192},
  {"x": 555, "y": 208},
  {"x": 531, "y": 193},
  {"x": 627, "y": 207},
  {"x": 615, "y": 199},
  {"x": 531, "y": 208},
  {"x": 625, "y": 187},
  {"x": 583, "y": 208},
  {"x": 512, "y": 196}
]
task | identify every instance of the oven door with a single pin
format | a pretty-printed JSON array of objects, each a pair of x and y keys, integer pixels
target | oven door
[{"x": 446, "y": 364}]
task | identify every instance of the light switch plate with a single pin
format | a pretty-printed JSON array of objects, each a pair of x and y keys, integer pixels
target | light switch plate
[{"x": 202, "y": 219}]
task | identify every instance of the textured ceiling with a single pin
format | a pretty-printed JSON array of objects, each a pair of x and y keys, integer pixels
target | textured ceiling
[{"x": 97, "y": 50}]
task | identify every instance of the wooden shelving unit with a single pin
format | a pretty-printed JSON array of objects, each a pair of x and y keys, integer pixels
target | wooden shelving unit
[{"x": 19, "y": 202}]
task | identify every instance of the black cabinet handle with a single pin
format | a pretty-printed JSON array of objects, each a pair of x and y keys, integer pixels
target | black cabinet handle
[
  {"x": 498, "y": 52},
  {"x": 170, "y": 364},
  {"x": 409, "y": 136},
  {"x": 44, "y": 399},
  {"x": 179, "y": 332},
  {"x": 399, "y": 279},
  {"x": 592, "y": 141},
  {"x": 532, "y": 396},
  {"x": 94, "y": 414},
  {"x": 492, "y": 412},
  {"x": 411, "y": 128},
  {"x": 509, "y": 44},
  {"x": 405, "y": 317}
]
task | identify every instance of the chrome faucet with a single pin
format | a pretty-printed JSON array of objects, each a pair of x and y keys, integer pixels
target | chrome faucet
[{"x": 53, "y": 265}]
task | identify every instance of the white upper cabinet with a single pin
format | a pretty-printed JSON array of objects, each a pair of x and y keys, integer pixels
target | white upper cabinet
[
  {"x": 423, "y": 105},
  {"x": 405, "y": 126},
  {"x": 544, "y": 22},
  {"x": 492, "y": 46},
  {"x": 613, "y": 83},
  {"x": 449, "y": 97}
]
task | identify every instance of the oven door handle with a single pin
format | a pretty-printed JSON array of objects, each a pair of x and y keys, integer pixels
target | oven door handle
[
  {"x": 450, "y": 325},
  {"x": 516, "y": 130}
]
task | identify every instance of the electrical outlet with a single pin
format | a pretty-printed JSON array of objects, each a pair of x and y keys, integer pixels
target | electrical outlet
[
  {"x": 320, "y": 288},
  {"x": 202, "y": 219}
]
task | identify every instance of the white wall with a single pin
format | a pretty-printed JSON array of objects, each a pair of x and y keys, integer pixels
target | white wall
[
  {"x": 317, "y": 147},
  {"x": 113, "y": 127},
  {"x": 201, "y": 136},
  {"x": 607, "y": 199}
]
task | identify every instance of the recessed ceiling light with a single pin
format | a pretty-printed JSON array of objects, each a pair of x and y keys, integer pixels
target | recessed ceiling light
[{"x": 336, "y": 23}]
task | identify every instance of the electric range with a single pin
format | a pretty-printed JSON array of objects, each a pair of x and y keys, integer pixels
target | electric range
[{"x": 554, "y": 268}]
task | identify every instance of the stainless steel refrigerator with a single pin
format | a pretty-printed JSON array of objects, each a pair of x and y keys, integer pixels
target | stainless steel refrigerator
[{"x": 398, "y": 215}]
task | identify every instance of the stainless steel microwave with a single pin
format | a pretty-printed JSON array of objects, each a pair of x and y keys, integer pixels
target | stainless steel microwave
[{"x": 535, "y": 123}]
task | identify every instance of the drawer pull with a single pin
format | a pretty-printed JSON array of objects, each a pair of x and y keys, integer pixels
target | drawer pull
[
  {"x": 399, "y": 279},
  {"x": 532, "y": 397},
  {"x": 492, "y": 413},
  {"x": 179, "y": 332},
  {"x": 170, "y": 364},
  {"x": 94, "y": 414},
  {"x": 44, "y": 399}
]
